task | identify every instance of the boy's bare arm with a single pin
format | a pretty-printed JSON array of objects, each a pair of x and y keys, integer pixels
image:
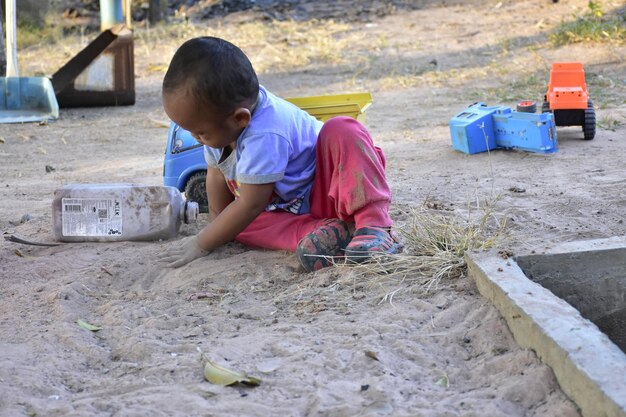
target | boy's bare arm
[
  {"x": 236, "y": 216},
  {"x": 227, "y": 224},
  {"x": 217, "y": 192}
]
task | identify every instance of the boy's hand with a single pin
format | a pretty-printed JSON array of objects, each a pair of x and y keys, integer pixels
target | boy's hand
[{"x": 181, "y": 253}]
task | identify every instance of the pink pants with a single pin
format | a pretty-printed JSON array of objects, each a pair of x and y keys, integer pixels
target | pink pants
[{"x": 349, "y": 184}]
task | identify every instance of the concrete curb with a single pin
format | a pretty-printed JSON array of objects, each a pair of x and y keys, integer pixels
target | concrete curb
[{"x": 589, "y": 367}]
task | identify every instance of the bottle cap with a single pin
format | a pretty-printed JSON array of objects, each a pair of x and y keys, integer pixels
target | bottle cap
[{"x": 191, "y": 211}]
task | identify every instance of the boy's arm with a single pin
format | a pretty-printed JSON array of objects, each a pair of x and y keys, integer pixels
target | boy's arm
[
  {"x": 227, "y": 224},
  {"x": 253, "y": 198},
  {"x": 217, "y": 192}
]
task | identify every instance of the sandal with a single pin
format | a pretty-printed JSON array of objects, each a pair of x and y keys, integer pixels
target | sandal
[
  {"x": 318, "y": 249},
  {"x": 370, "y": 241}
]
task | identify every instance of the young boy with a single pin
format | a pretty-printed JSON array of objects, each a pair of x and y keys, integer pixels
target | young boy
[{"x": 277, "y": 178}]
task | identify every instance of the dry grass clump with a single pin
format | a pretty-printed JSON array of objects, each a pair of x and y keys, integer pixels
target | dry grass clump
[
  {"x": 279, "y": 46},
  {"x": 453, "y": 77},
  {"x": 435, "y": 246}
]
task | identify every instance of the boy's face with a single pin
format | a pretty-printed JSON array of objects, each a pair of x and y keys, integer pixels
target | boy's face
[{"x": 208, "y": 128}]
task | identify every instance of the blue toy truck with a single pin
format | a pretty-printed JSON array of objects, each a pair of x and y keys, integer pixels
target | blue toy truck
[
  {"x": 184, "y": 166},
  {"x": 481, "y": 128}
]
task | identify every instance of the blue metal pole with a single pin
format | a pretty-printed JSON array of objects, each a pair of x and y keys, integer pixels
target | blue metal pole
[{"x": 111, "y": 13}]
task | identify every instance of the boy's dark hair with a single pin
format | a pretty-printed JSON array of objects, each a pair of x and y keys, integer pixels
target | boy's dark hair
[{"x": 216, "y": 73}]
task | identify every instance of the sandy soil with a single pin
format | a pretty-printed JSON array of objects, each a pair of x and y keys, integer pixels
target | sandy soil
[{"x": 324, "y": 343}]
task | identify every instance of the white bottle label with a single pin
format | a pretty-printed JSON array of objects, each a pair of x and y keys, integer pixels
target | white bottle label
[{"x": 91, "y": 217}]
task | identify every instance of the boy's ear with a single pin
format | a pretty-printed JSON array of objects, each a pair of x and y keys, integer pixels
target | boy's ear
[{"x": 242, "y": 117}]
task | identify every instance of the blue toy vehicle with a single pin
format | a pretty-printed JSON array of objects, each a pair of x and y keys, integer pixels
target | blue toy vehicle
[
  {"x": 480, "y": 128},
  {"x": 184, "y": 166}
]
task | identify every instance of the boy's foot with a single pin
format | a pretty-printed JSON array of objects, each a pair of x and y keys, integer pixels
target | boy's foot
[
  {"x": 370, "y": 241},
  {"x": 317, "y": 249}
]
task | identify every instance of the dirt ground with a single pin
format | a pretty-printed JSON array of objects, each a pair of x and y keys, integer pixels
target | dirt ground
[{"x": 327, "y": 343}]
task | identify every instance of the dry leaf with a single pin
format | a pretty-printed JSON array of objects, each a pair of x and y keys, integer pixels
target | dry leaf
[
  {"x": 443, "y": 381},
  {"x": 372, "y": 355},
  {"x": 219, "y": 375},
  {"x": 88, "y": 326},
  {"x": 156, "y": 68}
]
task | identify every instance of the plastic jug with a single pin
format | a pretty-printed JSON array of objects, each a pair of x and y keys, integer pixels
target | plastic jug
[{"x": 115, "y": 212}]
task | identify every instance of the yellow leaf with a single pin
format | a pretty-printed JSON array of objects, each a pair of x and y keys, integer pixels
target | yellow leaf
[
  {"x": 443, "y": 381},
  {"x": 88, "y": 326},
  {"x": 219, "y": 375},
  {"x": 157, "y": 68}
]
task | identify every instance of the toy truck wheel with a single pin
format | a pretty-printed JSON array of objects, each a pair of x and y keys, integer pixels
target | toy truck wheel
[
  {"x": 195, "y": 190},
  {"x": 545, "y": 107},
  {"x": 526, "y": 107},
  {"x": 589, "y": 122}
]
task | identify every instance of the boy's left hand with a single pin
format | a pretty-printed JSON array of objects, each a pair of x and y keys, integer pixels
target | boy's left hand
[{"x": 181, "y": 253}]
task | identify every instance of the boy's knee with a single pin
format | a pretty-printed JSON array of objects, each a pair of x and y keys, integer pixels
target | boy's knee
[
  {"x": 342, "y": 126},
  {"x": 344, "y": 131}
]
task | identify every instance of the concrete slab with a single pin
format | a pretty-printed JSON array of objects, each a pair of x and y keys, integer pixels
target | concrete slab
[
  {"x": 591, "y": 281},
  {"x": 590, "y": 368}
]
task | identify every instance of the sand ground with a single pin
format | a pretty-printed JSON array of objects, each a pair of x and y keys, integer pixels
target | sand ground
[{"x": 328, "y": 343}]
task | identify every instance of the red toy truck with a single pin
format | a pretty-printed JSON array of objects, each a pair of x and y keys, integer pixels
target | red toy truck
[{"x": 568, "y": 99}]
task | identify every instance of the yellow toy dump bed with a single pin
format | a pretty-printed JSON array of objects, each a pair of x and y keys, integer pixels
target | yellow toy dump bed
[{"x": 325, "y": 107}]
